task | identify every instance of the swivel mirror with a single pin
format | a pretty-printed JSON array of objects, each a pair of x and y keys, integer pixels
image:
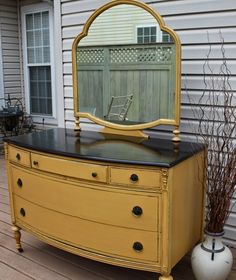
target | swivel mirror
[{"x": 126, "y": 69}]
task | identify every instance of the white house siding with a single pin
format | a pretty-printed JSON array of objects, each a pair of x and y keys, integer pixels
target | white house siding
[
  {"x": 123, "y": 30},
  {"x": 1, "y": 74},
  {"x": 11, "y": 73},
  {"x": 191, "y": 19},
  {"x": 28, "y": 2}
]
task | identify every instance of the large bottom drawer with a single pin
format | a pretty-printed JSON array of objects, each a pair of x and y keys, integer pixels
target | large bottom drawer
[{"x": 100, "y": 238}]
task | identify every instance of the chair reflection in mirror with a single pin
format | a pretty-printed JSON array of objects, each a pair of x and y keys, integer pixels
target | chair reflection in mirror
[{"x": 119, "y": 107}]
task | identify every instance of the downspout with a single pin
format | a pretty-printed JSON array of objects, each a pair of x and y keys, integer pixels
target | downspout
[
  {"x": 20, "y": 53},
  {"x": 58, "y": 56}
]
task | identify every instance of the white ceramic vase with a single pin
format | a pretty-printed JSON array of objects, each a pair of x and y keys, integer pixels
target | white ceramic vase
[{"x": 211, "y": 260}]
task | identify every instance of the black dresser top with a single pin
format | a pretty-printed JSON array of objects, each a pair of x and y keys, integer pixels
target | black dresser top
[{"x": 94, "y": 146}]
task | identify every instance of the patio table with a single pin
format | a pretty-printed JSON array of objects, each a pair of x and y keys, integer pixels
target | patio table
[{"x": 9, "y": 121}]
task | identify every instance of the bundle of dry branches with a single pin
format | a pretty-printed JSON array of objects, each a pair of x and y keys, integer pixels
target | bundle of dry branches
[{"x": 217, "y": 128}]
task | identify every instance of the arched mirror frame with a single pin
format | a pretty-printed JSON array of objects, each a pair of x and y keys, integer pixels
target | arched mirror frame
[{"x": 137, "y": 127}]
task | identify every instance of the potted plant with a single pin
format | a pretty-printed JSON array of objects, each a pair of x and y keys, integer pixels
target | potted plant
[{"x": 216, "y": 112}]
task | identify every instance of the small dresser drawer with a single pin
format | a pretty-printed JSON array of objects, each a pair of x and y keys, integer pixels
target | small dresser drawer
[
  {"x": 19, "y": 156},
  {"x": 102, "y": 206},
  {"x": 71, "y": 168},
  {"x": 88, "y": 235},
  {"x": 135, "y": 177}
]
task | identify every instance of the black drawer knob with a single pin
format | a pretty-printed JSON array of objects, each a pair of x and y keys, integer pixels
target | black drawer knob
[
  {"x": 137, "y": 211},
  {"x": 94, "y": 174},
  {"x": 19, "y": 183},
  {"x": 36, "y": 163},
  {"x": 137, "y": 246},
  {"x": 18, "y": 156},
  {"x": 134, "y": 177},
  {"x": 22, "y": 212}
]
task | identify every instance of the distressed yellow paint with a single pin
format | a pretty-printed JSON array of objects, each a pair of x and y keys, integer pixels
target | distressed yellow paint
[
  {"x": 187, "y": 194},
  {"x": 87, "y": 202},
  {"x": 19, "y": 156},
  {"x": 89, "y": 235},
  {"x": 77, "y": 169},
  {"x": 146, "y": 178},
  {"x": 95, "y": 219}
]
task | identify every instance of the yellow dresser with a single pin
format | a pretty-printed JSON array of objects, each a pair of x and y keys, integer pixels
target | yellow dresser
[{"x": 101, "y": 203}]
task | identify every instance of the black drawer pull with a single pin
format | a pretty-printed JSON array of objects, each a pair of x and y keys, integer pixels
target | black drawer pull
[
  {"x": 137, "y": 246},
  {"x": 19, "y": 183},
  {"x": 137, "y": 211},
  {"x": 18, "y": 156},
  {"x": 36, "y": 163},
  {"x": 134, "y": 177},
  {"x": 94, "y": 174},
  {"x": 22, "y": 212}
]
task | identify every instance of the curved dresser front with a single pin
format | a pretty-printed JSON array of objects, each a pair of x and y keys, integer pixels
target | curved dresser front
[{"x": 123, "y": 203}]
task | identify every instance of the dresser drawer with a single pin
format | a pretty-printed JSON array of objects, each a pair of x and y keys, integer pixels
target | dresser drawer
[
  {"x": 103, "y": 206},
  {"x": 71, "y": 168},
  {"x": 88, "y": 235},
  {"x": 135, "y": 177},
  {"x": 19, "y": 156}
]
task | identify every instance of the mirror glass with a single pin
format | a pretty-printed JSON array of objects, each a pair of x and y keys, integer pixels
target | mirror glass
[{"x": 126, "y": 68}]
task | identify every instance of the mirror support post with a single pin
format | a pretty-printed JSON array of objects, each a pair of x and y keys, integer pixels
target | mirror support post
[
  {"x": 125, "y": 133},
  {"x": 77, "y": 124},
  {"x": 176, "y": 133}
]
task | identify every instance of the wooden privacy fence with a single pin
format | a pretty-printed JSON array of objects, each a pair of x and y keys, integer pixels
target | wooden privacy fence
[{"x": 146, "y": 72}]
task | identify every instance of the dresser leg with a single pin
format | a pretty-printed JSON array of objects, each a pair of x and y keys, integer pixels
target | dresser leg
[
  {"x": 165, "y": 277},
  {"x": 17, "y": 235}
]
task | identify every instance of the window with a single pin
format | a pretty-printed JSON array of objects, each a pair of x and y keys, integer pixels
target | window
[
  {"x": 37, "y": 41},
  {"x": 166, "y": 37},
  {"x": 150, "y": 34},
  {"x": 146, "y": 34}
]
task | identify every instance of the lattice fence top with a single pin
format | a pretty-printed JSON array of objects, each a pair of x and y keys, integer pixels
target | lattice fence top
[
  {"x": 141, "y": 55},
  {"x": 125, "y": 54},
  {"x": 90, "y": 56}
]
